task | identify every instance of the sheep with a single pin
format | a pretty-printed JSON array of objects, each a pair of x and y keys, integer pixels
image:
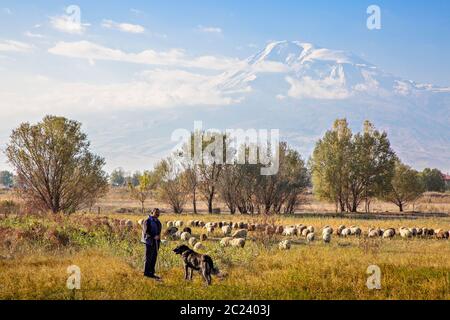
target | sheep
[
  {"x": 178, "y": 224},
  {"x": 225, "y": 242},
  {"x": 405, "y": 233},
  {"x": 279, "y": 230},
  {"x": 305, "y": 232},
  {"x": 191, "y": 223},
  {"x": 235, "y": 225},
  {"x": 203, "y": 237},
  {"x": 170, "y": 232},
  {"x": 238, "y": 243},
  {"x": 192, "y": 241},
  {"x": 374, "y": 233},
  {"x": 201, "y": 224},
  {"x": 210, "y": 229},
  {"x": 199, "y": 246},
  {"x": 290, "y": 231},
  {"x": 300, "y": 229},
  {"x": 311, "y": 237},
  {"x": 188, "y": 230},
  {"x": 270, "y": 230},
  {"x": 170, "y": 224},
  {"x": 242, "y": 225},
  {"x": 311, "y": 229},
  {"x": 240, "y": 234},
  {"x": 226, "y": 230},
  {"x": 441, "y": 234},
  {"x": 340, "y": 229},
  {"x": 326, "y": 237},
  {"x": 413, "y": 231},
  {"x": 389, "y": 234},
  {"x": 346, "y": 232},
  {"x": 355, "y": 231},
  {"x": 185, "y": 236},
  {"x": 327, "y": 230},
  {"x": 284, "y": 245}
]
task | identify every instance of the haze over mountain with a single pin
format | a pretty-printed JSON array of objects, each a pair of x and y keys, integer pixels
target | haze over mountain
[{"x": 301, "y": 89}]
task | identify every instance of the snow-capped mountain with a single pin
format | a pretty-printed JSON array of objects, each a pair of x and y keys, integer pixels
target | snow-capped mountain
[{"x": 297, "y": 88}]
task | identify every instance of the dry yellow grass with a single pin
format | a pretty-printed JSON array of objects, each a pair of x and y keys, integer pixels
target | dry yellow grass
[{"x": 411, "y": 269}]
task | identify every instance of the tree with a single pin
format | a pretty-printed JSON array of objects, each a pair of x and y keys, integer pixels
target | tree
[
  {"x": 117, "y": 178},
  {"x": 147, "y": 184},
  {"x": 171, "y": 186},
  {"x": 406, "y": 186},
  {"x": 6, "y": 179},
  {"x": 433, "y": 180},
  {"x": 55, "y": 169},
  {"x": 348, "y": 169}
]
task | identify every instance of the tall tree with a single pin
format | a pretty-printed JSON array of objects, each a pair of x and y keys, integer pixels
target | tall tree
[
  {"x": 117, "y": 178},
  {"x": 147, "y": 184},
  {"x": 433, "y": 180},
  {"x": 6, "y": 179},
  {"x": 55, "y": 169},
  {"x": 406, "y": 186},
  {"x": 171, "y": 185}
]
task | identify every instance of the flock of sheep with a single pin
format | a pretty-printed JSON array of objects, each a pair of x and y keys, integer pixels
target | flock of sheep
[{"x": 235, "y": 233}]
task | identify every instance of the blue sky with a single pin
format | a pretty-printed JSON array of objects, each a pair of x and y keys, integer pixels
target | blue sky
[
  {"x": 138, "y": 63},
  {"x": 413, "y": 42}
]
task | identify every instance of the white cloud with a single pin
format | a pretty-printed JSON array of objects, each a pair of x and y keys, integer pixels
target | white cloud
[
  {"x": 124, "y": 27},
  {"x": 14, "y": 46},
  {"x": 150, "y": 90},
  {"x": 174, "y": 57},
  {"x": 209, "y": 29},
  {"x": 322, "y": 89},
  {"x": 33, "y": 35},
  {"x": 68, "y": 24}
]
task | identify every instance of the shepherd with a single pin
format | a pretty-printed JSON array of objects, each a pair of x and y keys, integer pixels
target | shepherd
[{"x": 151, "y": 237}]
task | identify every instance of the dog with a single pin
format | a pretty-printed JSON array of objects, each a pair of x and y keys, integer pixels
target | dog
[{"x": 198, "y": 262}]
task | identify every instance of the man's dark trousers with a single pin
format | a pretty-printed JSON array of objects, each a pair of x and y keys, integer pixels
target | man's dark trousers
[{"x": 151, "y": 254}]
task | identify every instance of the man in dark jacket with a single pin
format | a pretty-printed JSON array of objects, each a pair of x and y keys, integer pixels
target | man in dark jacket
[{"x": 151, "y": 236}]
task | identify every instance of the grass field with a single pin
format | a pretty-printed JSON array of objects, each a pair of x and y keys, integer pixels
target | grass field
[{"x": 36, "y": 252}]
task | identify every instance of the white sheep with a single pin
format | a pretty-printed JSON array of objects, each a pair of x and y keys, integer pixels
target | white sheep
[
  {"x": 225, "y": 242},
  {"x": 305, "y": 232},
  {"x": 178, "y": 224},
  {"x": 210, "y": 229},
  {"x": 311, "y": 237},
  {"x": 326, "y": 237},
  {"x": 346, "y": 232},
  {"x": 355, "y": 231},
  {"x": 238, "y": 243},
  {"x": 226, "y": 230},
  {"x": 284, "y": 245},
  {"x": 192, "y": 241},
  {"x": 185, "y": 236},
  {"x": 240, "y": 234},
  {"x": 328, "y": 230},
  {"x": 405, "y": 233},
  {"x": 389, "y": 234},
  {"x": 199, "y": 246},
  {"x": 311, "y": 229},
  {"x": 290, "y": 231},
  {"x": 340, "y": 229},
  {"x": 374, "y": 233}
]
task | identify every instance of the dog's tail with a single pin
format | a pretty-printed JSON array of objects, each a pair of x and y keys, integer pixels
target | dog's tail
[{"x": 210, "y": 265}]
